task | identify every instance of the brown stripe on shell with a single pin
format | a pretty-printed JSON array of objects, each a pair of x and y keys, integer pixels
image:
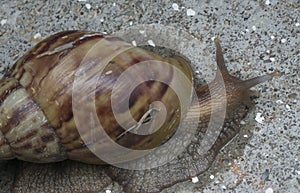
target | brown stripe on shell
[
  {"x": 7, "y": 86},
  {"x": 5, "y": 151},
  {"x": 18, "y": 115},
  {"x": 26, "y": 137},
  {"x": 24, "y": 127},
  {"x": 48, "y": 138}
]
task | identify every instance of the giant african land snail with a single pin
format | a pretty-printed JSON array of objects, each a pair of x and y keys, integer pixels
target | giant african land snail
[{"x": 36, "y": 119}]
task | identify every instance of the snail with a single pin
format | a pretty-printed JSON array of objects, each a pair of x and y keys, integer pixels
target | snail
[{"x": 37, "y": 118}]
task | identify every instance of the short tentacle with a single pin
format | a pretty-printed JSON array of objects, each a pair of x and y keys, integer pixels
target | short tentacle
[{"x": 246, "y": 84}]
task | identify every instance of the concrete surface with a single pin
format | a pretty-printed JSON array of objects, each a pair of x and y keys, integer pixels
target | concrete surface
[{"x": 257, "y": 36}]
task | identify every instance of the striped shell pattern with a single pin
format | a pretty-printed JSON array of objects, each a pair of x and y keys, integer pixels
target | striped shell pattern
[{"x": 36, "y": 113}]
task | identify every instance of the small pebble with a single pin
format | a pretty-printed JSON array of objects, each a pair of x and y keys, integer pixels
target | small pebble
[
  {"x": 267, "y": 2},
  {"x": 37, "y": 36},
  {"x": 133, "y": 43},
  {"x": 107, "y": 191},
  {"x": 279, "y": 101},
  {"x": 297, "y": 24},
  {"x": 223, "y": 187},
  {"x": 272, "y": 37},
  {"x": 254, "y": 28},
  {"x": 131, "y": 22},
  {"x": 175, "y": 6},
  {"x": 3, "y": 21},
  {"x": 246, "y": 136},
  {"x": 259, "y": 118},
  {"x": 242, "y": 122},
  {"x": 151, "y": 43},
  {"x": 195, "y": 179},
  {"x": 88, "y": 6},
  {"x": 82, "y": 0},
  {"x": 212, "y": 177},
  {"x": 190, "y": 12},
  {"x": 283, "y": 40},
  {"x": 269, "y": 190},
  {"x": 272, "y": 59},
  {"x": 288, "y": 107}
]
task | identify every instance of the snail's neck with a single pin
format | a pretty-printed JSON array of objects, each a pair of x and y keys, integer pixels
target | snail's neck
[{"x": 214, "y": 99}]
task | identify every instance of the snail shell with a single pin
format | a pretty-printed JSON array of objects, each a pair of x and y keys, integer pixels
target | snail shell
[
  {"x": 37, "y": 121},
  {"x": 36, "y": 114}
]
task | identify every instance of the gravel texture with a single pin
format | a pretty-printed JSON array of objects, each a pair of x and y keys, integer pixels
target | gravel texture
[{"x": 257, "y": 37}]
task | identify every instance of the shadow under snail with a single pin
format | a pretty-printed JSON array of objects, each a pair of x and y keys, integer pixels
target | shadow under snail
[{"x": 37, "y": 120}]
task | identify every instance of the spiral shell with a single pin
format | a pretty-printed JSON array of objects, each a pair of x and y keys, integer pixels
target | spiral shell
[{"x": 36, "y": 113}]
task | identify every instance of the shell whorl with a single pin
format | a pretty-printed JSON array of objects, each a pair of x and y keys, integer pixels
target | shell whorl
[{"x": 25, "y": 132}]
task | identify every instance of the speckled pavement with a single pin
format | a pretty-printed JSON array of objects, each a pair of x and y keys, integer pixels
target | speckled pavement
[{"x": 257, "y": 37}]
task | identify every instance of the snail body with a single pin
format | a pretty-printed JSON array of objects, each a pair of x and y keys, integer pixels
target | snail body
[{"x": 36, "y": 113}]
